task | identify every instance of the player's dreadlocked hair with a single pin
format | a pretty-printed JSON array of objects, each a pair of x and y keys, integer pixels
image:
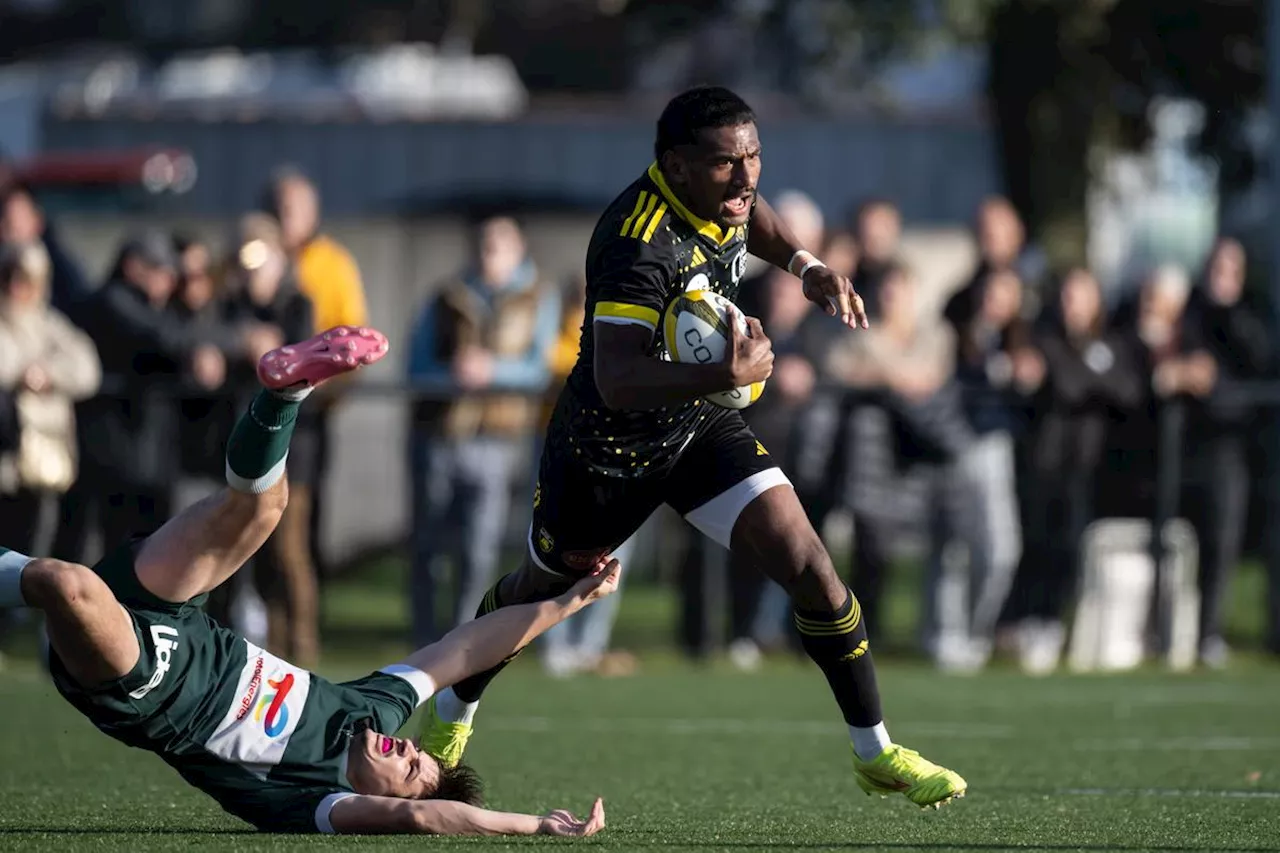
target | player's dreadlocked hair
[
  {"x": 461, "y": 784},
  {"x": 698, "y": 109}
]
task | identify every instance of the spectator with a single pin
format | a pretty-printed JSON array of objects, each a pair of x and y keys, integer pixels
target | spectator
[
  {"x": 22, "y": 221},
  {"x": 910, "y": 434},
  {"x": 46, "y": 364},
  {"x": 840, "y": 253},
  {"x": 996, "y": 366},
  {"x": 208, "y": 411},
  {"x": 1175, "y": 366},
  {"x": 1001, "y": 239},
  {"x": 1218, "y": 428},
  {"x": 261, "y": 292},
  {"x": 130, "y": 453},
  {"x": 878, "y": 230},
  {"x": 489, "y": 333},
  {"x": 327, "y": 275},
  {"x": 1090, "y": 377}
]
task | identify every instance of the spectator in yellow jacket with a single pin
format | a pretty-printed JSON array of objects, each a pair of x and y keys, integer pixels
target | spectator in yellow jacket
[{"x": 327, "y": 274}]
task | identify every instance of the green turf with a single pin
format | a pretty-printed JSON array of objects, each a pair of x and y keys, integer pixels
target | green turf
[
  {"x": 703, "y": 758},
  {"x": 707, "y": 759}
]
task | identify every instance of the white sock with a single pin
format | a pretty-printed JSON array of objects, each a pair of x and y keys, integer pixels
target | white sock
[
  {"x": 452, "y": 709},
  {"x": 297, "y": 395},
  {"x": 869, "y": 743},
  {"x": 11, "y": 565}
]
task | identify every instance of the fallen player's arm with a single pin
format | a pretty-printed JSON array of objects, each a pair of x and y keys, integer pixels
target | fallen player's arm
[
  {"x": 393, "y": 815},
  {"x": 483, "y": 643}
]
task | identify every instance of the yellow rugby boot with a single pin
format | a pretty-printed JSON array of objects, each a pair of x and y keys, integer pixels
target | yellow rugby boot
[
  {"x": 899, "y": 770},
  {"x": 442, "y": 740}
]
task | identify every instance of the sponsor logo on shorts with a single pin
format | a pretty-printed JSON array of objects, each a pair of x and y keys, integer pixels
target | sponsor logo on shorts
[
  {"x": 537, "y": 495},
  {"x": 760, "y": 451},
  {"x": 164, "y": 646},
  {"x": 583, "y": 560}
]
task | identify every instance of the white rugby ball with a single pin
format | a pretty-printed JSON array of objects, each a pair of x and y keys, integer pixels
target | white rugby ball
[{"x": 696, "y": 330}]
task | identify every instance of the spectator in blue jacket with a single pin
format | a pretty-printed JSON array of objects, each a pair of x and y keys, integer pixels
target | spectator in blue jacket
[{"x": 484, "y": 336}]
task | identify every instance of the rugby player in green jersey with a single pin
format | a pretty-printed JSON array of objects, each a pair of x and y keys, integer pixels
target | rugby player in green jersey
[{"x": 273, "y": 744}]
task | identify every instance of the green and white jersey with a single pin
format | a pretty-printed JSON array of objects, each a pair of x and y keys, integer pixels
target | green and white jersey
[
  {"x": 266, "y": 739},
  {"x": 277, "y": 756}
]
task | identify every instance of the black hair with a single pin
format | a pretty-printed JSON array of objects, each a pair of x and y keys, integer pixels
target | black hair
[
  {"x": 459, "y": 783},
  {"x": 698, "y": 109}
]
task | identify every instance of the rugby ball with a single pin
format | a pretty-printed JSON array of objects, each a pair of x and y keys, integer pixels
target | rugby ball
[{"x": 695, "y": 329}]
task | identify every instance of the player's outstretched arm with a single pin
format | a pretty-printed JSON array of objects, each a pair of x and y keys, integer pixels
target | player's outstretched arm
[
  {"x": 769, "y": 239},
  {"x": 391, "y": 815},
  {"x": 485, "y": 642}
]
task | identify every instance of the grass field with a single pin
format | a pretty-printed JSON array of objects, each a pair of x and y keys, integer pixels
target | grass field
[{"x": 703, "y": 758}]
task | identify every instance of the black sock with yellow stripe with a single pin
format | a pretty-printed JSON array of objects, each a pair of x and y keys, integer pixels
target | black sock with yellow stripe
[
  {"x": 469, "y": 689},
  {"x": 837, "y": 643}
]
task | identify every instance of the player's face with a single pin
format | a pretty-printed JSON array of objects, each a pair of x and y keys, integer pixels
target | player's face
[
  {"x": 390, "y": 767},
  {"x": 719, "y": 175}
]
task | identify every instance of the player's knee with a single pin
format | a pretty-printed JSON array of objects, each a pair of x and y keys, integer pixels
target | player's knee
[
  {"x": 808, "y": 573},
  {"x": 265, "y": 508},
  {"x": 48, "y": 583}
]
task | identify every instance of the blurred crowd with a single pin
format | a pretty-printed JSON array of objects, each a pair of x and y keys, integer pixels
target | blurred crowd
[{"x": 994, "y": 420}]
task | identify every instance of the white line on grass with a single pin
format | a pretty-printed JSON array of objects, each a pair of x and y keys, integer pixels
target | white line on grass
[
  {"x": 718, "y": 726},
  {"x": 1167, "y": 792}
]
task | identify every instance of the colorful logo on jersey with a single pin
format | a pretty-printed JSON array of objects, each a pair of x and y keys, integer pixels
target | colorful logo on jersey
[
  {"x": 537, "y": 495},
  {"x": 760, "y": 451},
  {"x": 272, "y": 712},
  {"x": 545, "y": 542}
]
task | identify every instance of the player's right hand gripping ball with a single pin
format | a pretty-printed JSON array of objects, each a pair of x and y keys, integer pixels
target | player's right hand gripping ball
[{"x": 696, "y": 331}]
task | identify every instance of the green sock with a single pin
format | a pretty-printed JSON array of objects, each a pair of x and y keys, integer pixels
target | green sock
[{"x": 259, "y": 443}]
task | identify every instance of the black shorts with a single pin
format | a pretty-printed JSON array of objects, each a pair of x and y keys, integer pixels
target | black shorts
[{"x": 578, "y": 515}]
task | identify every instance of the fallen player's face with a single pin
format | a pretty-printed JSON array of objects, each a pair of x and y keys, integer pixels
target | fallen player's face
[
  {"x": 720, "y": 174},
  {"x": 385, "y": 766}
]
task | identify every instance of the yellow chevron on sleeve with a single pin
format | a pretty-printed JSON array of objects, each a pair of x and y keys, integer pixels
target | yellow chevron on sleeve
[
  {"x": 626, "y": 225},
  {"x": 650, "y": 203},
  {"x": 653, "y": 222}
]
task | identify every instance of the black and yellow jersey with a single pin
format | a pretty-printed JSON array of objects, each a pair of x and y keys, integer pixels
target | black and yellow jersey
[{"x": 646, "y": 249}]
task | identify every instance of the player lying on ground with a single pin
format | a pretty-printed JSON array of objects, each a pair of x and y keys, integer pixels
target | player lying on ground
[
  {"x": 278, "y": 746},
  {"x": 632, "y": 431}
]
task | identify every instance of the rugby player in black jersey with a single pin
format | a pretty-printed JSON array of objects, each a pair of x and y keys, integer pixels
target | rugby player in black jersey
[{"x": 632, "y": 431}]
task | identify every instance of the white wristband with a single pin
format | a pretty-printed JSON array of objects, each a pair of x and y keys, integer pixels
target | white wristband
[
  {"x": 813, "y": 264},
  {"x": 800, "y": 254},
  {"x": 810, "y": 261}
]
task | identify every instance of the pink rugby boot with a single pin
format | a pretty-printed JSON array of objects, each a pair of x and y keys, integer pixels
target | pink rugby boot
[{"x": 340, "y": 350}]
